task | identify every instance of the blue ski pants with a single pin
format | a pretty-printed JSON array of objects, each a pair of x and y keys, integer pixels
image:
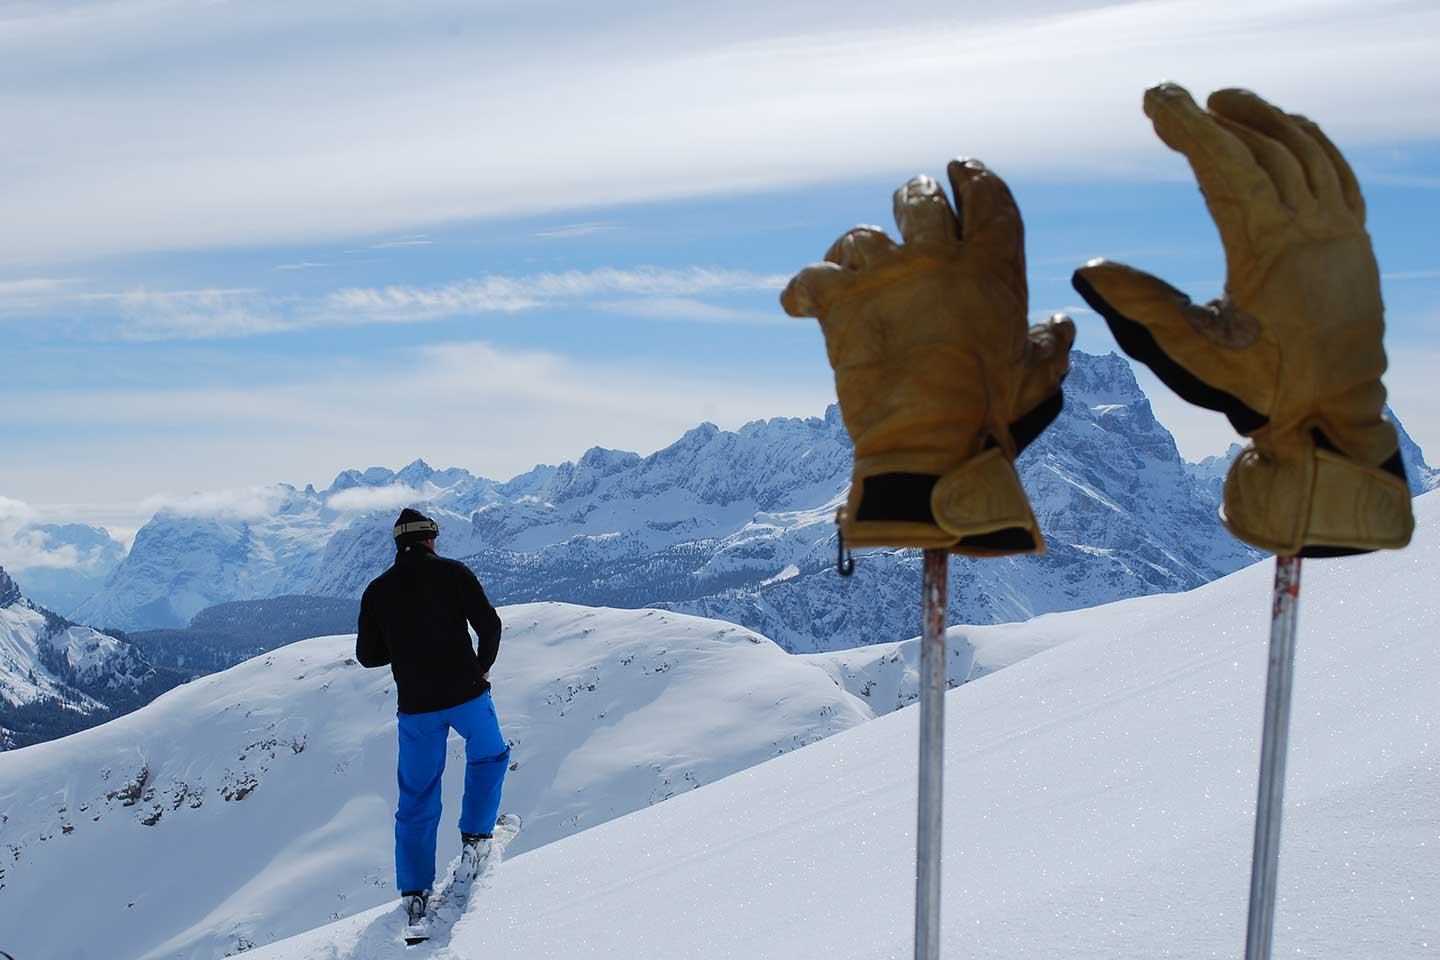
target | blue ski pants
[{"x": 422, "y": 762}]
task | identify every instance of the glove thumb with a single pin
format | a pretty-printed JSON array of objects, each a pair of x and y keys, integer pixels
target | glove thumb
[{"x": 1190, "y": 347}]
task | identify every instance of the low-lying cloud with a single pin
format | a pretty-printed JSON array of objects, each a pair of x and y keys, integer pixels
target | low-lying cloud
[
  {"x": 366, "y": 499},
  {"x": 245, "y": 503}
]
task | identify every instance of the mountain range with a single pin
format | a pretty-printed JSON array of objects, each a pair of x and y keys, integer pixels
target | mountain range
[{"x": 734, "y": 525}]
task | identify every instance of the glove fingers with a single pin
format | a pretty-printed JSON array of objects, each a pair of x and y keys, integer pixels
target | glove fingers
[
  {"x": 809, "y": 292},
  {"x": 989, "y": 218},
  {"x": 1254, "y": 113},
  {"x": 1236, "y": 189},
  {"x": 1279, "y": 164},
  {"x": 1160, "y": 326},
  {"x": 1047, "y": 361},
  {"x": 923, "y": 214},
  {"x": 1349, "y": 185},
  {"x": 861, "y": 248}
]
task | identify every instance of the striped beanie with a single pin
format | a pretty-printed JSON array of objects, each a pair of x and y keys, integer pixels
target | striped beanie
[{"x": 414, "y": 527}]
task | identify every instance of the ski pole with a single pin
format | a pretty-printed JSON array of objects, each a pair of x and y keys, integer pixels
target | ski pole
[
  {"x": 1270, "y": 803},
  {"x": 935, "y": 601}
]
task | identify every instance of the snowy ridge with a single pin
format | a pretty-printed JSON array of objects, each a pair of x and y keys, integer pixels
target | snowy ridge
[
  {"x": 1099, "y": 801},
  {"x": 46, "y": 658},
  {"x": 261, "y": 799}
]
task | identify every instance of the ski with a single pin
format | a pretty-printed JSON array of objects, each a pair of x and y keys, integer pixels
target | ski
[{"x": 466, "y": 872}]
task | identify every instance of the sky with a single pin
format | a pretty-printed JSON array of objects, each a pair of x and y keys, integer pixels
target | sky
[{"x": 243, "y": 243}]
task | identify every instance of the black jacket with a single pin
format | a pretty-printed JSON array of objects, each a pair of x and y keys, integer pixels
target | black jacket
[{"x": 413, "y": 617}]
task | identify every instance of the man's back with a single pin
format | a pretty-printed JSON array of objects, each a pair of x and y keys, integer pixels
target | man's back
[{"x": 413, "y": 617}]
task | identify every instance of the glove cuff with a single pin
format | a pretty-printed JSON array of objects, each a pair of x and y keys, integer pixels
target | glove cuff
[
  {"x": 1306, "y": 500},
  {"x": 889, "y": 502},
  {"x": 984, "y": 506},
  {"x": 977, "y": 508}
]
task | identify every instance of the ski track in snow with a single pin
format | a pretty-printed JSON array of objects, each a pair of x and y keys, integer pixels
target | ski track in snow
[{"x": 1099, "y": 804}]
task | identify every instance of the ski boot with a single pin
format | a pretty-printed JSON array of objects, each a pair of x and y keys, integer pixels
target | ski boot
[
  {"x": 415, "y": 903},
  {"x": 474, "y": 854}
]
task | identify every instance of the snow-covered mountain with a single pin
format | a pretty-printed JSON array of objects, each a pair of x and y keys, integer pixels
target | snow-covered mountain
[
  {"x": 56, "y": 675},
  {"x": 259, "y": 801},
  {"x": 1209, "y": 474},
  {"x": 191, "y": 557},
  {"x": 731, "y": 525},
  {"x": 92, "y": 554},
  {"x": 1422, "y": 476},
  {"x": 1099, "y": 802},
  {"x": 1120, "y": 514}
]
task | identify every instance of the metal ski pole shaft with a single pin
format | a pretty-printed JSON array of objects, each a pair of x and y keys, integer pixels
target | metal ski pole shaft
[
  {"x": 1270, "y": 802},
  {"x": 932, "y": 755}
]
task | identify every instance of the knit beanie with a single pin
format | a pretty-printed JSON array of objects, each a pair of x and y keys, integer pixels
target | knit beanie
[{"x": 414, "y": 527}]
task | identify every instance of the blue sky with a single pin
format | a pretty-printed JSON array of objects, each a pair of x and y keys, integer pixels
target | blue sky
[{"x": 261, "y": 242}]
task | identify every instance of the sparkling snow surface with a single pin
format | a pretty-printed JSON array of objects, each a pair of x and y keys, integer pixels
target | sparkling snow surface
[{"x": 1099, "y": 803}]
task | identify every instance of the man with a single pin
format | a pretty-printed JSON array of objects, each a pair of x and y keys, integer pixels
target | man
[{"x": 413, "y": 618}]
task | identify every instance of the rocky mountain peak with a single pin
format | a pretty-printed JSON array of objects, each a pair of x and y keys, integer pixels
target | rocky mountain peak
[
  {"x": 9, "y": 590},
  {"x": 1421, "y": 475},
  {"x": 414, "y": 473},
  {"x": 1101, "y": 379}
]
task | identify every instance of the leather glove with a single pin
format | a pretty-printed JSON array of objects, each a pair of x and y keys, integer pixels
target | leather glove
[
  {"x": 1292, "y": 352},
  {"x": 940, "y": 383}
]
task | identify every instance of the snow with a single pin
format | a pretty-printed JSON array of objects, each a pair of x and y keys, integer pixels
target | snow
[
  {"x": 40, "y": 660},
  {"x": 257, "y": 803},
  {"x": 1099, "y": 803}
]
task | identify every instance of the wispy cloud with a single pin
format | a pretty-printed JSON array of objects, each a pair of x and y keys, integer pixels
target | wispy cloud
[
  {"x": 32, "y": 291},
  {"x": 669, "y": 293},
  {"x": 248, "y": 148},
  {"x": 365, "y": 499},
  {"x": 571, "y": 230},
  {"x": 694, "y": 311},
  {"x": 1412, "y": 275},
  {"x": 26, "y": 549},
  {"x": 245, "y": 503},
  {"x": 509, "y": 294},
  {"x": 302, "y": 265},
  {"x": 416, "y": 240},
  {"x": 194, "y": 314}
]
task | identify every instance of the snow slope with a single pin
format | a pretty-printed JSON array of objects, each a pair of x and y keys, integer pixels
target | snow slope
[
  {"x": 1099, "y": 803},
  {"x": 258, "y": 802}
]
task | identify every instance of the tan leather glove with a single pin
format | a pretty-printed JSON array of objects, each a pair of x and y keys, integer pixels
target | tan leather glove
[
  {"x": 1292, "y": 353},
  {"x": 940, "y": 383}
]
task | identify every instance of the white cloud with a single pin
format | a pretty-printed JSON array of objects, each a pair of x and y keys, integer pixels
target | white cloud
[
  {"x": 365, "y": 499},
  {"x": 417, "y": 240},
  {"x": 31, "y": 291},
  {"x": 508, "y": 294},
  {"x": 571, "y": 230},
  {"x": 314, "y": 138},
  {"x": 302, "y": 265},
  {"x": 150, "y": 315},
  {"x": 166, "y": 315},
  {"x": 245, "y": 503},
  {"x": 696, "y": 311},
  {"x": 25, "y": 549}
]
